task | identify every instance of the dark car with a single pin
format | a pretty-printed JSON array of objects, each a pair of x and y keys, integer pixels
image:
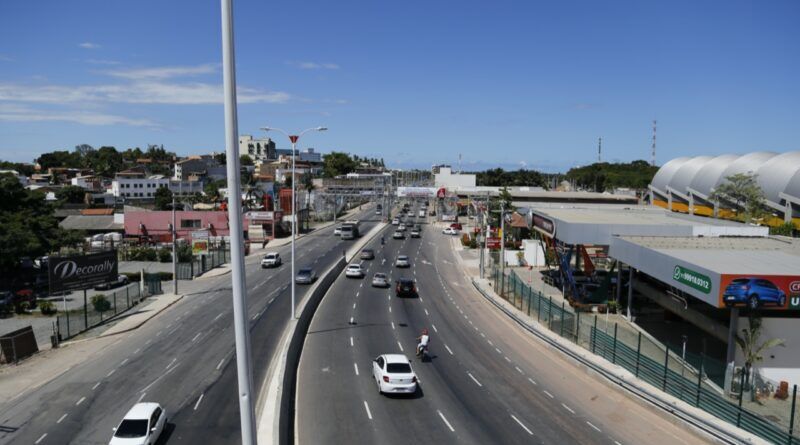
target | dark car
[
  {"x": 754, "y": 292},
  {"x": 456, "y": 226},
  {"x": 120, "y": 281},
  {"x": 405, "y": 287},
  {"x": 367, "y": 254},
  {"x": 305, "y": 275}
]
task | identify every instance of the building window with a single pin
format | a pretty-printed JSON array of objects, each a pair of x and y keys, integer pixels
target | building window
[{"x": 191, "y": 224}]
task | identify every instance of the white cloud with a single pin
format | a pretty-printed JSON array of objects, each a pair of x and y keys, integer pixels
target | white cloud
[
  {"x": 15, "y": 113},
  {"x": 314, "y": 65},
  {"x": 164, "y": 72},
  {"x": 89, "y": 45},
  {"x": 152, "y": 92}
]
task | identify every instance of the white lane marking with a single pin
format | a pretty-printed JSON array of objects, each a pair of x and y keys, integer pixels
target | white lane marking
[
  {"x": 149, "y": 341},
  {"x": 617, "y": 443},
  {"x": 355, "y": 365},
  {"x": 490, "y": 342},
  {"x": 532, "y": 381},
  {"x": 358, "y": 293},
  {"x": 41, "y": 438},
  {"x": 361, "y": 285},
  {"x": 63, "y": 416},
  {"x": 522, "y": 425},
  {"x": 392, "y": 325},
  {"x": 198, "y": 402},
  {"x": 448, "y": 349},
  {"x": 518, "y": 370},
  {"x": 548, "y": 394},
  {"x": 137, "y": 351},
  {"x": 366, "y": 406},
  {"x": 158, "y": 333},
  {"x": 568, "y": 408},
  {"x": 474, "y": 379},
  {"x": 498, "y": 350},
  {"x": 123, "y": 362},
  {"x": 592, "y": 425},
  {"x": 390, "y": 309},
  {"x": 420, "y": 298},
  {"x": 351, "y": 320},
  {"x": 95, "y": 386},
  {"x": 483, "y": 335},
  {"x": 401, "y": 346},
  {"x": 445, "y": 421},
  {"x": 171, "y": 363},
  {"x": 80, "y": 401},
  {"x": 219, "y": 365},
  {"x": 426, "y": 312},
  {"x": 354, "y": 306},
  {"x": 195, "y": 337},
  {"x": 111, "y": 372},
  {"x": 434, "y": 328},
  {"x": 507, "y": 359},
  {"x": 141, "y": 397}
]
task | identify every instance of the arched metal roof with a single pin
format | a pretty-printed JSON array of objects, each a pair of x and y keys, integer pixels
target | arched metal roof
[
  {"x": 709, "y": 175},
  {"x": 775, "y": 174},
  {"x": 749, "y": 163},
  {"x": 665, "y": 173},
  {"x": 683, "y": 177}
]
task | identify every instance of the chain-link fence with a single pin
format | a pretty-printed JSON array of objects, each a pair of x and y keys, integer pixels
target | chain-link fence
[
  {"x": 101, "y": 307},
  {"x": 682, "y": 376},
  {"x": 201, "y": 264}
]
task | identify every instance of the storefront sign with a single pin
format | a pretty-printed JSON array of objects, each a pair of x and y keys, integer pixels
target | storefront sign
[
  {"x": 492, "y": 243},
  {"x": 82, "y": 271},
  {"x": 544, "y": 225},
  {"x": 692, "y": 279}
]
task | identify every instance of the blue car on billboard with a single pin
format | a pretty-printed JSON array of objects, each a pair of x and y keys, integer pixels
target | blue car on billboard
[{"x": 754, "y": 292}]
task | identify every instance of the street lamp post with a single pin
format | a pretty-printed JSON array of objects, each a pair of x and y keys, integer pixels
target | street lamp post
[{"x": 293, "y": 139}]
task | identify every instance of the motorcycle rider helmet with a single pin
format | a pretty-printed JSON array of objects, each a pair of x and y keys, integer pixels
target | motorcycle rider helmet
[{"x": 424, "y": 331}]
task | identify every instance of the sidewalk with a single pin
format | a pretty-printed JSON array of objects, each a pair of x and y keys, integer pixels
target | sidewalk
[{"x": 142, "y": 314}]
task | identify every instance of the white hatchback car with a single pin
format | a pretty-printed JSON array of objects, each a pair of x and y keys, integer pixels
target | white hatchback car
[
  {"x": 354, "y": 271},
  {"x": 393, "y": 374},
  {"x": 142, "y": 425},
  {"x": 402, "y": 261},
  {"x": 450, "y": 231}
]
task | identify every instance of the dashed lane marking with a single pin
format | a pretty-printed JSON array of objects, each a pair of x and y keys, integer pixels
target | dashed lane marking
[
  {"x": 592, "y": 425},
  {"x": 63, "y": 416},
  {"x": 568, "y": 408},
  {"x": 498, "y": 350},
  {"x": 548, "y": 394},
  {"x": 80, "y": 401},
  {"x": 40, "y": 439},
  {"x": 355, "y": 366},
  {"x": 366, "y": 406},
  {"x": 198, "y": 402},
  {"x": 474, "y": 380},
  {"x": 434, "y": 328},
  {"x": 445, "y": 421},
  {"x": 95, "y": 386},
  {"x": 522, "y": 425},
  {"x": 507, "y": 359},
  {"x": 219, "y": 365},
  {"x": 141, "y": 397},
  {"x": 401, "y": 346},
  {"x": 448, "y": 349}
]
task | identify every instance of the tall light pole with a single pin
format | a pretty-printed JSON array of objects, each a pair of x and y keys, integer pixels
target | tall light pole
[
  {"x": 293, "y": 139},
  {"x": 244, "y": 372},
  {"x": 174, "y": 250}
]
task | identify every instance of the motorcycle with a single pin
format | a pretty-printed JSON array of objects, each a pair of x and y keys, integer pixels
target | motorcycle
[{"x": 422, "y": 352}]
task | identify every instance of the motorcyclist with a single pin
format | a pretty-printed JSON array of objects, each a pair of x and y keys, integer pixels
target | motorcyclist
[
  {"x": 382, "y": 241},
  {"x": 422, "y": 341}
]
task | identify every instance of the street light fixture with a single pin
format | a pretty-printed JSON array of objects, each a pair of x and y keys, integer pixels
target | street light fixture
[{"x": 293, "y": 139}]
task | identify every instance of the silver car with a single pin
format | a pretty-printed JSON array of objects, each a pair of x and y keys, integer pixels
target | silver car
[
  {"x": 306, "y": 275},
  {"x": 402, "y": 261},
  {"x": 380, "y": 280}
]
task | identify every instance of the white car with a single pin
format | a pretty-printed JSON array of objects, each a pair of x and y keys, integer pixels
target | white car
[
  {"x": 398, "y": 235},
  {"x": 337, "y": 231},
  {"x": 450, "y": 231},
  {"x": 354, "y": 271},
  {"x": 393, "y": 374},
  {"x": 401, "y": 227},
  {"x": 395, "y": 222},
  {"x": 271, "y": 259},
  {"x": 141, "y": 425},
  {"x": 380, "y": 280},
  {"x": 402, "y": 261}
]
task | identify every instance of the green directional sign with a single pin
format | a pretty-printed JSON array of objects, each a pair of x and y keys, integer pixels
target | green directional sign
[{"x": 692, "y": 279}]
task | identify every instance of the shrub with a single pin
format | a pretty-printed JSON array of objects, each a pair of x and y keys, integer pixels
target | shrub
[
  {"x": 184, "y": 253},
  {"x": 785, "y": 229},
  {"x": 165, "y": 255},
  {"x": 142, "y": 254},
  {"x": 101, "y": 303},
  {"x": 47, "y": 308},
  {"x": 22, "y": 308}
]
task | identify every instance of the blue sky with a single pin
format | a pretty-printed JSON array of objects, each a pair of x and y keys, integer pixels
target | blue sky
[{"x": 523, "y": 83}]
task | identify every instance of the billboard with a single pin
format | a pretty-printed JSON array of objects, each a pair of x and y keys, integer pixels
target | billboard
[
  {"x": 416, "y": 192},
  {"x": 199, "y": 242},
  {"x": 544, "y": 225},
  {"x": 82, "y": 271},
  {"x": 781, "y": 292}
]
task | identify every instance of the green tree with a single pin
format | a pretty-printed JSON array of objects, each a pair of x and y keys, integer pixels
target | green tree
[
  {"x": 105, "y": 161},
  {"x": 752, "y": 347},
  {"x": 742, "y": 190},
  {"x": 337, "y": 163},
  {"x": 505, "y": 198},
  {"x": 245, "y": 160},
  {"x": 101, "y": 303},
  {"x": 220, "y": 157},
  {"x": 59, "y": 159},
  {"x": 130, "y": 155},
  {"x": 603, "y": 175},
  {"x": 163, "y": 199},
  {"x": 71, "y": 194},
  {"x": 211, "y": 189}
]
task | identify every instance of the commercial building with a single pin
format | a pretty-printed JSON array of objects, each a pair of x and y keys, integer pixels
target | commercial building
[
  {"x": 137, "y": 187},
  {"x": 446, "y": 178},
  {"x": 686, "y": 184},
  {"x": 155, "y": 226},
  {"x": 259, "y": 150},
  {"x": 194, "y": 165}
]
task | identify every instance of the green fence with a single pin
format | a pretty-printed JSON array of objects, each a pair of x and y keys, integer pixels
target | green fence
[
  {"x": 201, "y": 264},
  {"x": 662, "y": 368},
  {"x": 95, "y": 313}
]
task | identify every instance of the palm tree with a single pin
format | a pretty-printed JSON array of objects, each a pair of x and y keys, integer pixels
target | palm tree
[{"x": 752, "y": 348}]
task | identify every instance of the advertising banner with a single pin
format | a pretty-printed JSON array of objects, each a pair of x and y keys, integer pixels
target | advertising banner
[
  {"x": 416, "y": 192},
  {"x": 82, "y": 271},
  {"x": 492, "y": 243},
  {"x": 200, "y": 242},
  {"x": 544, "y": 225},
  {"x": 777, "y": 292}
]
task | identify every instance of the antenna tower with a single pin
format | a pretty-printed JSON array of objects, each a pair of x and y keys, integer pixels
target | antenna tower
[
  {"x": 653, "y": 149},
  {"x": 599, "y": 149}
]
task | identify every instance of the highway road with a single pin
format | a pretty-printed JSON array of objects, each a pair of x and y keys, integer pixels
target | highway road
[
  {"x": 488, "y": 380},
  {"x": 183, "y": 359}
]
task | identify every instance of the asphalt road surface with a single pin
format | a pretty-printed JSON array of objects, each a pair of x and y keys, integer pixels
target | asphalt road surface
[
  {"x": 183, "y": 359},
  {"x": 488, "y": 380}
]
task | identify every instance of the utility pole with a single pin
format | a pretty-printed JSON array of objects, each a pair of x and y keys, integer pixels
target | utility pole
[
  {"x": 503, "y": 236},
  {"x": 241, "y": 329},
  {"x": 174, "y": 250},
  {"x": 653, "y": 148}
]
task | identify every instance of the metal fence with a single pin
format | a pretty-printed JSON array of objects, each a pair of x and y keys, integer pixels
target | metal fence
[
  {"x": 97, "y": 311},
  {"x": 660, "y": 366},
  {"x": 201, "y": 264}
]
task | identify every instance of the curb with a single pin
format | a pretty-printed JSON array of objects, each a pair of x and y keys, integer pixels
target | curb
[
  {"x": 716, "y": 428},
  {"x": 144, "y": 321}
]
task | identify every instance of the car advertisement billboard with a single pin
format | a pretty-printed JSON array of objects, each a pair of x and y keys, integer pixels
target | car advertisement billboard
[
  {"x": 781, "y": 292},
  {"x": 82, "y": 271}
]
